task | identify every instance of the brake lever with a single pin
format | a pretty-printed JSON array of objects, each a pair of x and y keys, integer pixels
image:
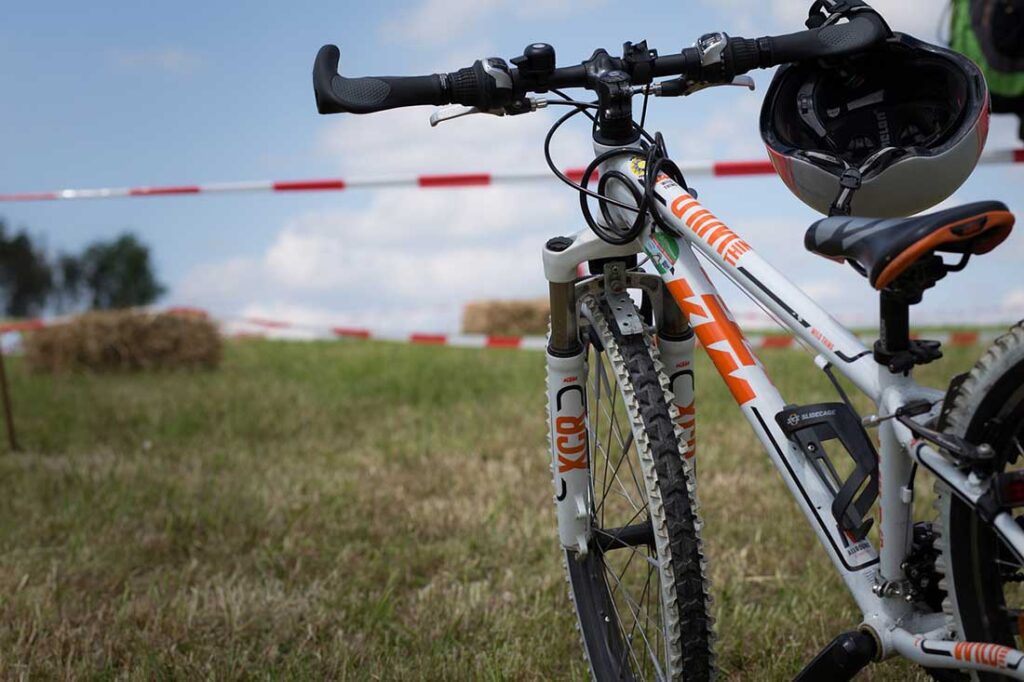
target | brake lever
[
  {"x": 680, "y": 87},
  {"x": 453, "y": 111},
  {"x": 743, "y": 82}
]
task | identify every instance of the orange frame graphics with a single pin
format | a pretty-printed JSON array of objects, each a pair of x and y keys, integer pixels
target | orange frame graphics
[{"x": 720, "y": 335}]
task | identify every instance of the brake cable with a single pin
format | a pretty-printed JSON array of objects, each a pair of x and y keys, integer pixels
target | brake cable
[{"x": 656, "y": 164}]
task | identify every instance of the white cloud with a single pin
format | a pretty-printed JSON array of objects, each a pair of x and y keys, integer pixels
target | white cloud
[
  {"x": 410, "y": 258},
  {"x": 1014, "y": 301},
  {"x": 442, "y": 22},
  {"x": 173, "y": 60}
]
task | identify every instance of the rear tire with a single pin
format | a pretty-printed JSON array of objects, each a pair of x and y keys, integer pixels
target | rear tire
[
  {"x": 643, "y": 611},
  {"x": 981, "y": 581}
]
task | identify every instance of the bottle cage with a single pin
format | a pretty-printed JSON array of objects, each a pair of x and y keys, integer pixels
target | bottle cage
[{"x": 809, "y": 427}]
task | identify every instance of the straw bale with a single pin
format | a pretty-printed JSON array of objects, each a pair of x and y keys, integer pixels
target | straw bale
[
  {"x": 125, "y": 340},
  {"x": 506, "y": 318}
]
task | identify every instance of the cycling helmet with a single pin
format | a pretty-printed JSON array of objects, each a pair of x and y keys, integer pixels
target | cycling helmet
[{"x": 885, "y": 133}]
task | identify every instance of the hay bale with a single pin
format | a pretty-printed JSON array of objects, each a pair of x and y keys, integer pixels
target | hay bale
[
  {"x": 125, "y": 340},
  {"x": 506, "y": 318}
]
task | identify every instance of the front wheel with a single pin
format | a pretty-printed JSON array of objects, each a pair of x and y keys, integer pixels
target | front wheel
[
  {"x": 983, "y": 580},
  {"x": 641, "y": 591}
]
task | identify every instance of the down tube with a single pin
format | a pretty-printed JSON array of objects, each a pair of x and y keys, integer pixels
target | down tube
[
  {"x": 768, "y": 286},
  {"x": 760, "y": 401}
]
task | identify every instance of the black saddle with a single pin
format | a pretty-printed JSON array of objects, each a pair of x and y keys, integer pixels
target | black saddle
[{"x": 882, "y": 249}]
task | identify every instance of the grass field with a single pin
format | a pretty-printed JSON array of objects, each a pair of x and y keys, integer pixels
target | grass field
[{"x": 357, "y": 510}]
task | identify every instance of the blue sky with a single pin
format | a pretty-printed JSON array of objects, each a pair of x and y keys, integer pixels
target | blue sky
[{"x": 165, "y": 93}]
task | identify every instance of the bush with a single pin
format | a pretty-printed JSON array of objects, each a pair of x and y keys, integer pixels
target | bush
[
  {"x": 125, "y": 340},
  {"x": 506, "y": 318}
]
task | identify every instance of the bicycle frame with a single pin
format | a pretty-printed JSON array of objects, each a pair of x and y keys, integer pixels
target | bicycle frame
[{"x": 868, "y": 573}]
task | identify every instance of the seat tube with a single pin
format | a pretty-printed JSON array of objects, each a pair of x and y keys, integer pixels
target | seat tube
[{"x": 895, "y": 504}]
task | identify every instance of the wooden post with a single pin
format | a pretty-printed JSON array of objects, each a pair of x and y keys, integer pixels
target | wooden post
[{"x": 12, "y": 441}]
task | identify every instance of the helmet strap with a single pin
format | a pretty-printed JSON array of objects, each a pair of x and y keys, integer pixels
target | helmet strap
[
  {"x": 849, "y": 182},
  {"x": 852, "y": 179}
]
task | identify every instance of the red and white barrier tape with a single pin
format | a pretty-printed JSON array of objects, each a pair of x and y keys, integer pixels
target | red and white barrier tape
[
  {"x": 264, "y": 328},
  {"x": 691, "y": 169},
  {"x": 257, "y": 327}
]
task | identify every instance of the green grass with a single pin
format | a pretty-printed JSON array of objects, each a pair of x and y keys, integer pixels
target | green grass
[{"x": 358, "y": 510}]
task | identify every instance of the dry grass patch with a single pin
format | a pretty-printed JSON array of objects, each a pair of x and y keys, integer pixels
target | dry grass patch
[
  {"x": 125, "y": 340},
  {"x": 358, "y": 510}
]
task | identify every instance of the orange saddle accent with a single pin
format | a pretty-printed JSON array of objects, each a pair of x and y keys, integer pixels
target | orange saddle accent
[{"x": 882, "y": 249}]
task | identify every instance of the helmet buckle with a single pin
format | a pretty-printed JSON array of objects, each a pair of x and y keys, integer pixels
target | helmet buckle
[{"x": 851, "y": 179}]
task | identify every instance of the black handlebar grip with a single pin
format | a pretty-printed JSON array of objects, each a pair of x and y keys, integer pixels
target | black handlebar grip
[
  {"x": 858, "y": 34},
  {"x": 336, "y": 94}
]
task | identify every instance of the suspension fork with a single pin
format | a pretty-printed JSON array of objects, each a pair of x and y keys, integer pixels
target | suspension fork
[
  {"x": 567, "y": 414},
  {"x": 566, "y": 358},
  {"x": 676, "y": 342}
]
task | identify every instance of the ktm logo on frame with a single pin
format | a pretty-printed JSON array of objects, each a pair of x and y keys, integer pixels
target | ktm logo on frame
[
  {"x": 977, "y": 652},
  {"x": 715, "y": 328},
  {"x": 724, "y": 241}
]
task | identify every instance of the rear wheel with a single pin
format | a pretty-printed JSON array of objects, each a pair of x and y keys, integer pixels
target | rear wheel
[
  {"x": 983, "y": 580},
  {"x": 641, "y": 592}
]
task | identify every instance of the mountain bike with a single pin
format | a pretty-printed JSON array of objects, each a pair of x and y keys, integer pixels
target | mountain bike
[{"x": 620, "y": 379}]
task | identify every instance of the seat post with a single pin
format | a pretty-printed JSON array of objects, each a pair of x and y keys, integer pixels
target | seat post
[
  {"x": 894, "y": 348},
  {"x": 894, "y": 336}
]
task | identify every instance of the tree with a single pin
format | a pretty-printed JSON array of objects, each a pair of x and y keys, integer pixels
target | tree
[
  {"x": 25, "y": 278},
  {"x": 114, "y": 274}
]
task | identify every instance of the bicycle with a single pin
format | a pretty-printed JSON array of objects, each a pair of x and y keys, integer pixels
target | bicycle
[{"x": 620, "y": 370}]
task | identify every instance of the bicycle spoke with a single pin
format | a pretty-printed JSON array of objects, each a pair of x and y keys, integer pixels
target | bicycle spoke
[
  {"x": 627, "y": 595},
  {"x": 607, "y": 483},
  {"x": 627, "y": 650},
  {"x": 628, "y": 640},
  {"x": 626, "y": 444},
  {"x": 643, "y": 597},
  {"x": 615, "y": 479},
  {"x": 630, "y": 604}
]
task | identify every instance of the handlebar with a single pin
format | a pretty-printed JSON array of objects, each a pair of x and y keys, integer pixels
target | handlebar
[{"x": 491, "y": 85}]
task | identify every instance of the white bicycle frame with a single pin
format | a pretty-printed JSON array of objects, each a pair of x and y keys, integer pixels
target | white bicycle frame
[{"x": 894, "y": 622}]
